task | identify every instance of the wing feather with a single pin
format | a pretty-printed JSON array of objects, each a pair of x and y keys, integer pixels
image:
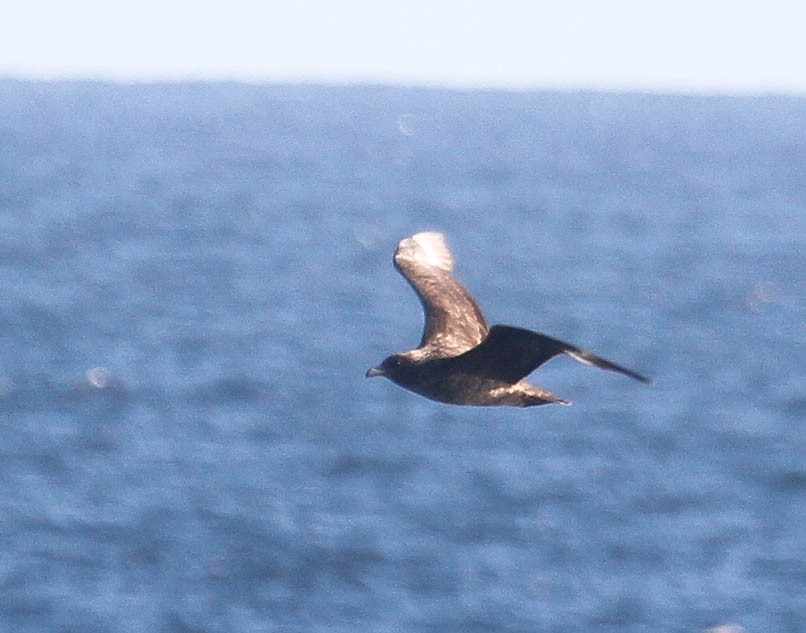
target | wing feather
[
  {"x": 453, "y": 321},
  {"x": 510, "y": 354}
]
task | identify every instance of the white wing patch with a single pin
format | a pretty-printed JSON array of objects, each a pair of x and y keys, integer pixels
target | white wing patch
[
  {"x": 579, "y": 358},
  {"x": 428, "y": 248}
]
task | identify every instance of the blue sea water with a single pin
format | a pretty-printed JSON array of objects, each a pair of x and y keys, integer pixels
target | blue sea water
[{"x": 195, "y": 278}]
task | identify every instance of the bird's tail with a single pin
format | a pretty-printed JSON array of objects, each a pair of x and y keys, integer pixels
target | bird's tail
[{"x": 535, "y": 396}]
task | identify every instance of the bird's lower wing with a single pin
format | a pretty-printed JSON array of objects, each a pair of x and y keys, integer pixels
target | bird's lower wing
[{"x": 510, "y": 354}]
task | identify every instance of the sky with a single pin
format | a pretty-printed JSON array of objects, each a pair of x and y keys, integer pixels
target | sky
[{"x": 701, "y": 46}]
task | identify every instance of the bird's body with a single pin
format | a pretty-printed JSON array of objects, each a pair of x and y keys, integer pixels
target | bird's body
[
  {"x": 444, "y": 380},
  {"x": 460, "y": 360}
]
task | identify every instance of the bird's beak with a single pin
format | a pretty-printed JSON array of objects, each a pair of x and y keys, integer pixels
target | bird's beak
[{"x": 375, "y": 371}]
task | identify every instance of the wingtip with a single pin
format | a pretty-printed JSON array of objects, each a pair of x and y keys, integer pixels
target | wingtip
[
  {"x": 429, "y": 247},
  {"x": 641, "y": 378},
  {"x": 588, "y": 358}
]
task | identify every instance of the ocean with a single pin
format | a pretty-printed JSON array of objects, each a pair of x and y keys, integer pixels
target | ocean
[{"x": 195, "y": 278}]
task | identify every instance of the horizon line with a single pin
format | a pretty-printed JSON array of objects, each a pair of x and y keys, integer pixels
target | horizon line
[{"x": 458, "y": 85}]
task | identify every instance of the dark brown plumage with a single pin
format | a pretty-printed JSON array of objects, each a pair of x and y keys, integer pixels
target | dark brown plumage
[{"x": 460, "y": 360}]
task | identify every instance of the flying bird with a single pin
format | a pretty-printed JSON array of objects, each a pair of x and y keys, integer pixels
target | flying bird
[{"x": 460, "y": 360}]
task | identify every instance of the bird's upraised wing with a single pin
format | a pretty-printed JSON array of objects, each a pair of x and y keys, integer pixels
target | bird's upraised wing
[
  {"x": 510, "y": 354},
  {"x": 453, "y": 321}
]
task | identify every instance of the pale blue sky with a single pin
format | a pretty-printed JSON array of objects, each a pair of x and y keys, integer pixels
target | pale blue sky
[{"x": 685, "y": 45}]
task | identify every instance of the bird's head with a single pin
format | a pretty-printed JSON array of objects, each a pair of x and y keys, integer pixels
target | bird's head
[{"x": 390, "y": 366}]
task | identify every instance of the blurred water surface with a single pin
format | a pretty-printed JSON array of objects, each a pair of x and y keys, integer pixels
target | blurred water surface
[{"x": 195, "y": 278}]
